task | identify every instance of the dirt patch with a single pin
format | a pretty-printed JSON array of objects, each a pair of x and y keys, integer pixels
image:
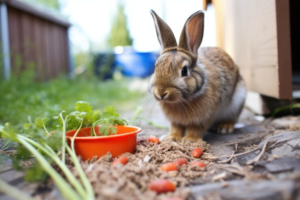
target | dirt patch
[
  {"x": 294, "y": 127},
  {"x": 132, "y": 180}
]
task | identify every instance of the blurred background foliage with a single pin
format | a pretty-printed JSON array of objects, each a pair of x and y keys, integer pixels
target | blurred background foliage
[
  {"x": 23, "y": 98},
  {"x": 119, "y": 33},
  {"x": 54, "y": 4}
]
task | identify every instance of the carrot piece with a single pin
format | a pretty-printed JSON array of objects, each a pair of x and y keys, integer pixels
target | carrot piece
[
  {"x": 197, "y": 163},
  {"x": 173, "y": 198},
  {"x": 153, "y": 139},
  {"x": 162, "y": 186},
  {"x": 197, "y": 152},
  {"x": 180, "y": 161},
  {"x": 169, "y": 167},
  {"x": 122, "y": 160}
]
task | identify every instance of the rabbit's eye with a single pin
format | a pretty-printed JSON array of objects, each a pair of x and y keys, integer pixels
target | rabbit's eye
[{"x": 184, "y": 71}]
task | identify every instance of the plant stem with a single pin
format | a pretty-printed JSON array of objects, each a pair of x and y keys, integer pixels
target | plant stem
[
  {"x": 63, "y": 186},
  {"x": 48, "y": 134},
  {"x": 93, "y": 127},
  {"x": 285, "y": 108},
  {"x": 84, "y": 179},
  {"x": 63, "y": 146},
  {"x": 49, "y": 151},
  {"x": 74, "y": 136},
  {"x": 154, "y": 124},
  {"x": 13, "y": 191},
  {"x": 5, "y": 145},
  {"x": 137, "y": 113}
]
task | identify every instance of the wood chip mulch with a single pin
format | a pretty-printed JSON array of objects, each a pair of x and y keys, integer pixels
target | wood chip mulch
[{"x": 132, "y": 180}]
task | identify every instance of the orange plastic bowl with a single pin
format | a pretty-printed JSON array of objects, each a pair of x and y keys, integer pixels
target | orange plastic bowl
[{"x": 89, "y": 146}]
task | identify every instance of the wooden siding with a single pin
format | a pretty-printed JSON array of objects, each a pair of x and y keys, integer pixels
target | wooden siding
[
  {"x": 256, "y": 34},
  {"x": 39, "y": 43}
]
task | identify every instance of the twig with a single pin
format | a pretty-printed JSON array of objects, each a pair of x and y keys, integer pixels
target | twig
[
  {"x": 240, "y": 154},
  {"x": 231, "y": 166},
  {"x": 256, "y": 159},
  {"x": 236, "y": 169},
  {"x": 228, "y": 144},
  {"x": 229, "y": 159},
  {"x": 231, "y": 156},
  {"x": 219, "y": 177},
  {"x": 213, "y": 157}
]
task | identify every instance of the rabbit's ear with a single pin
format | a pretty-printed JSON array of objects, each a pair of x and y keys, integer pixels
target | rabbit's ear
[
  {"x": 165, "y": 35},
  {"x": 192, "y": 33}
]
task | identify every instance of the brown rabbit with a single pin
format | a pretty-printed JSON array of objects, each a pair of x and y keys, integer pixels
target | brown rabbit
[{"x": 195, "y": 91}]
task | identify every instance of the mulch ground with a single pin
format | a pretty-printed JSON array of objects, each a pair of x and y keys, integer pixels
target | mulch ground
[
  {"x": 255, "y": 162},
  {"x": 131, "y": 181}
]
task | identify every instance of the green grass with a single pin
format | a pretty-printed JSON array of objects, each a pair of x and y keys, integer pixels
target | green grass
[
  {"x": 293, "y": 109},
  {"x": 23, "y": 99}
]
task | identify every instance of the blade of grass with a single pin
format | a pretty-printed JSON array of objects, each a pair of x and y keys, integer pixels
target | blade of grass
[
  {"x": 284, "y": 108},
  {"x": 151, "y": 123},
  {"x": 48, "y": 134},
  {"x": 137, "y": 113},
  {"x": 13, "y": 192},
  {"x": 63, "y": 147},
  {"x": 64, "y": 187},
  {"x": 49, "y": 151},
  {"x": 93, "y": 133},
  {"x": 84, "y": 179},
  {"x": 5, "y": 145},
  {"x": 66, "y": 190},
  {"x": 74, "y": 136}
]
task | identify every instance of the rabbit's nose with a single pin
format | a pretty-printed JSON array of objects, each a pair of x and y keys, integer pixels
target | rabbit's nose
[
  {"x": 164, "y": 95},
  {"x": 160, "y": 94}
]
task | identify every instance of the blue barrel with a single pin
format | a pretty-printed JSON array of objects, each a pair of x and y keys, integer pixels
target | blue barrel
[{"x": 136, "y": 64}]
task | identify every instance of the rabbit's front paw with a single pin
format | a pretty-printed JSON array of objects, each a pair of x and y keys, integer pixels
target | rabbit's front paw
[
  {"x": 172, "y": 137},
  {"x": 188, "y": 139},
  {"x": 225, "y": 128}
]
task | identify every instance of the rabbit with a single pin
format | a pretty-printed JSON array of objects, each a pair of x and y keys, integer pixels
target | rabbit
[{"x": 196, "y": 91}]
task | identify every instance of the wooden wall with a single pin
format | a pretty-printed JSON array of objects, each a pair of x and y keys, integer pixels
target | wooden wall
[
  {"x": 256, "y": 34},
  {"x": 39, "y": 43}
]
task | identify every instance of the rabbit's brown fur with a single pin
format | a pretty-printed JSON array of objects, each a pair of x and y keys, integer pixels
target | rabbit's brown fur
[{"x": 210, "y": 91}]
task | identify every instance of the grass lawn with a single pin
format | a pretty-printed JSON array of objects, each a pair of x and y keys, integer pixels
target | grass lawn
[{"x": 22, "y": 98}]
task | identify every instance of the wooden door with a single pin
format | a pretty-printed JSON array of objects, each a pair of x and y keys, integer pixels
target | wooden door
[{"x": 256, "y": 33}]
